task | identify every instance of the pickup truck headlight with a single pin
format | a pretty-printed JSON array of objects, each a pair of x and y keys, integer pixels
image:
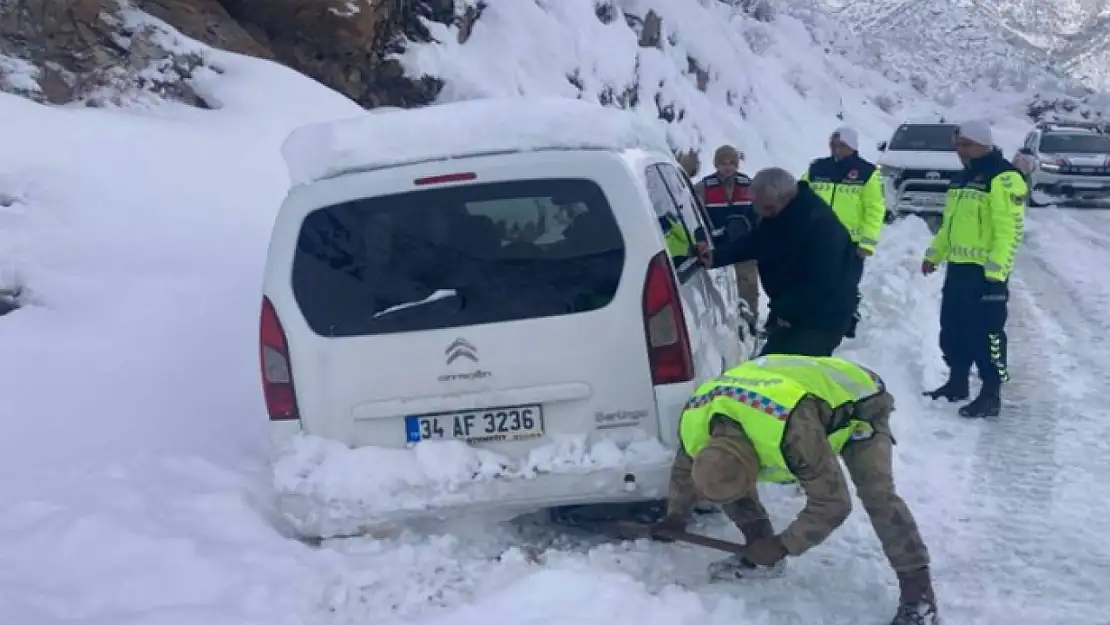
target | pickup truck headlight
[
  {"x": 890, "y": 172},
  {"x": 1049, "y": 163}
]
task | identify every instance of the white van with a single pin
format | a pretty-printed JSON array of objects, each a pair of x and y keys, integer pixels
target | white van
[{"x": 502, "y": 288}]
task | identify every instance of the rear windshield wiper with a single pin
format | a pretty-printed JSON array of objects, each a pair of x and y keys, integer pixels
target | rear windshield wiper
[
  {"x": 440, "y": 295},
  {"x": 431, "y": 305}
]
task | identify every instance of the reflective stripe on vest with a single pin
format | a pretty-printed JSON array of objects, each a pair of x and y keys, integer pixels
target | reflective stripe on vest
[{"x": 835, "y": 380}]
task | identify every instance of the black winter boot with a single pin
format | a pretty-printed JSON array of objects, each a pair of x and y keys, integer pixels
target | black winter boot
[
  {"x": 955, "y": 389},
  {"x": 987, "y": 404},
  {"x": 917, "y": 604}
]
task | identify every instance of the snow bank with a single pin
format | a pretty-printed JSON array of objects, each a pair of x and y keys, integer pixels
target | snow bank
[
  {"x": 484, "y": 126},
  {"x": 134, "y": 427},
  {"x": 329, "y": 489}
]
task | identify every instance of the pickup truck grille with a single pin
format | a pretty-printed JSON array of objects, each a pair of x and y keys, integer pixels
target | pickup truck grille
[
  {"x": 938, "y": 175},
  {"x": 1072, "y": 170}
]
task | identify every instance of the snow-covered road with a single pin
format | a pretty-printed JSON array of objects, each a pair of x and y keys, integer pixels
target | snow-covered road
[
  {"x": 1015, "y": 510},
  {"x": 135, "y": 486}
]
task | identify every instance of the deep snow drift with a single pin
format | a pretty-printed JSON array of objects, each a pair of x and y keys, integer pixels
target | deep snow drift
[{"x": 137, "y": 491}]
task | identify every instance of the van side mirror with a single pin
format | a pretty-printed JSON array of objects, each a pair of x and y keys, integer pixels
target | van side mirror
[
  {"x": 1025, "y": 151},
  {"x": 882, "y": 146}
]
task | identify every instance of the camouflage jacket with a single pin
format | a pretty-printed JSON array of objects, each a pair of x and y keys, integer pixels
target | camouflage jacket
[{"x": 811, "y": 459}]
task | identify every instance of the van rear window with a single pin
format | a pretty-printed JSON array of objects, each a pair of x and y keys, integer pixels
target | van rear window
[{"x": 457, "y": 256}]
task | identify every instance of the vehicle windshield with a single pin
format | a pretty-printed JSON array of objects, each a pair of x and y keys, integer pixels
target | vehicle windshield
[
  {"x": 1075, "y": 144},
  {"x": 924, "y": 138},
  {"x": 458, "y": 256}
]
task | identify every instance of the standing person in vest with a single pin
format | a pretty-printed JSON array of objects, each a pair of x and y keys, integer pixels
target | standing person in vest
[
  {"x": 783, "y": 418},
  {"x": 725, "y": 194},
  {"x": 982, "y": 229},
  {"x": 853, "y": 188}
]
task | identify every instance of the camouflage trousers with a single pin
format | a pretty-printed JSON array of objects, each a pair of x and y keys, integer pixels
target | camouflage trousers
[
  {"x": 747, "y": 283},
  {"x": 869, "y": 464}
]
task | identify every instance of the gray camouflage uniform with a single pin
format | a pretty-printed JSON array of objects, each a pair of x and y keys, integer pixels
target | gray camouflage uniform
[{"x": 828, "y": 501}]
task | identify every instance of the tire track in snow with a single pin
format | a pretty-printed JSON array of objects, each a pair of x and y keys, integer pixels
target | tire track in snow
[{"x": 1039, "y": 465}]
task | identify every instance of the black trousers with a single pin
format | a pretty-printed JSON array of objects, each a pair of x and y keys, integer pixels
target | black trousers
[
  {"x": 801, "y": 341},
  {"x": 857, "y": 269},
  {"x": 973, "y": 314}
]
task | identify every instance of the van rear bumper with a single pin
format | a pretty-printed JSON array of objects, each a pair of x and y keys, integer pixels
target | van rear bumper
[{"x": 312, "y": 516}]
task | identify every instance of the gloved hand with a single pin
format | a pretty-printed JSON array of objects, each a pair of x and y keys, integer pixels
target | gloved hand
[
  {"x": 673, "y": 523},
  {"x": 927, "y": 267},
  {"x": 765, "y": 551}
]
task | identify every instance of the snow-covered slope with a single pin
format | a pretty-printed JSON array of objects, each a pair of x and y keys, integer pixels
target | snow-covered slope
[
  {"x": 773, "y": 89},
  {"x": 137, "y": 490},
  {"x": 1010, "y": 43},
  {"x": 951, "y": 45}
]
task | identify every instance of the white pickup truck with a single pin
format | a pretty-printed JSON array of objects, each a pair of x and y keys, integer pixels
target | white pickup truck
[{"x": 917, "y": 163}]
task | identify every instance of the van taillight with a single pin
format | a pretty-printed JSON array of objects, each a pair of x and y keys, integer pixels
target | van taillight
[
  {"x": 277, "y": 375},
  {"x": 665, "y": 325}
]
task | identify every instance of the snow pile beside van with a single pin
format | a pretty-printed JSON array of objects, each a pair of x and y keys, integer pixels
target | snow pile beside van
[{"x": 328, "y": 489}]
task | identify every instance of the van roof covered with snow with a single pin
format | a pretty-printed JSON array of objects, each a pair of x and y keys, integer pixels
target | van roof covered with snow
[{"x": 463, "y": 129}]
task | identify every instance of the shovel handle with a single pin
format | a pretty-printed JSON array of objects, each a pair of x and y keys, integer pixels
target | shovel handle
[{"x": 646, "y": 531}]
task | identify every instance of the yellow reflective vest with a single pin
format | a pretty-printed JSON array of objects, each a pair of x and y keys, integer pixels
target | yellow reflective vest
[
  {"x": 853, "y": 188},
  {"x": 675, "y": 237},
  {"x": 984, "y": 218},
  {"x": 761, "y": 394}
]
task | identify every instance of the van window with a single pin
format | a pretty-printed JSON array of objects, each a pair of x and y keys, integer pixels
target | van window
[
  {"x": 685, "y": 197},
  {"x": 677, "y": 236},
  {"x": 457, "y": 256}
]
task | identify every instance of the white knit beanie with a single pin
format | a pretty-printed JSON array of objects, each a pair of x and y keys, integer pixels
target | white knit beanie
[
  {"x": 848, "y": 136},
  {"x": 978, "y": 131}
]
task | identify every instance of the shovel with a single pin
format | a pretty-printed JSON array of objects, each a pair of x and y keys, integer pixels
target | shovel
[{"x": 631, "y": 530}]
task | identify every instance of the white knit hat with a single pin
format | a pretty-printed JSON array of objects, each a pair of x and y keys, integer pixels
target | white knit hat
[
  {"x": 978, "y": 131},
  {"x": 848, "y": 136}
]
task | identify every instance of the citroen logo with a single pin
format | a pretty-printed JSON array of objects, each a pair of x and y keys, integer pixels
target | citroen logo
[
  {"x": 933, "y": 175},
  {"x": 461, "y": 348}
]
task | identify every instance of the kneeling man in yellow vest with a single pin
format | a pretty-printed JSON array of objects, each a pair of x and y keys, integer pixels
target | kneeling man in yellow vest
[{"x": 783, "y": 418}]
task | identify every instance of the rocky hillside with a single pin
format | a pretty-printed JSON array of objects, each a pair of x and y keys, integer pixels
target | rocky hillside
[{"x": 95, "y": 51}]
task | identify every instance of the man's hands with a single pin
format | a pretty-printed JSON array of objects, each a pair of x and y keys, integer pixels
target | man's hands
[
  {"x": 705, "y": 254},
  {"x": 928, "y": 267},
  {"x": 669, "y": 523},
  {"x": 765, "y": 551}
]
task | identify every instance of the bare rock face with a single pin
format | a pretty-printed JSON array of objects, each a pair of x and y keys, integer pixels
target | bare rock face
[
  {"x": 62, "y": 51},
  {"x": 344, "y": 44}
]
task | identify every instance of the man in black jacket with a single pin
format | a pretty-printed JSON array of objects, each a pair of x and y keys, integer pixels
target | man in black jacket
[{"x": 806, "y": 262}]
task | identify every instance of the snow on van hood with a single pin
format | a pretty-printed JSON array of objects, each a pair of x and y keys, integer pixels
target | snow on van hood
[{"x": 920, "y": 160}]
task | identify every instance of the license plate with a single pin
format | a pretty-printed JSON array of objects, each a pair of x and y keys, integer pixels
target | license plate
[{"x": 512, "y": 423}]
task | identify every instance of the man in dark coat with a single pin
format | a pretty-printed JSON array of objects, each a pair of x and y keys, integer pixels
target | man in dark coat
[{"x": 806, "y": 262}]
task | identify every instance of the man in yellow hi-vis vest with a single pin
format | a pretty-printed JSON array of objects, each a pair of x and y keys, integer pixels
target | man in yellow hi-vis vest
[
  {"x": 853, "y": 187},
  {"x": 785, "y": 418},
  {"x": 982, "y": 229}
]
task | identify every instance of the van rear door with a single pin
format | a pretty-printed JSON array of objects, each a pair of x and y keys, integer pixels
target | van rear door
[{"x": 500, "y": 304}]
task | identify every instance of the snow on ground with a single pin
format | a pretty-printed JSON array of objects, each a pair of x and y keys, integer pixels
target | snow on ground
[
  {"x": 135, "y": 443},
  {"x": 134, "y": 427}
]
